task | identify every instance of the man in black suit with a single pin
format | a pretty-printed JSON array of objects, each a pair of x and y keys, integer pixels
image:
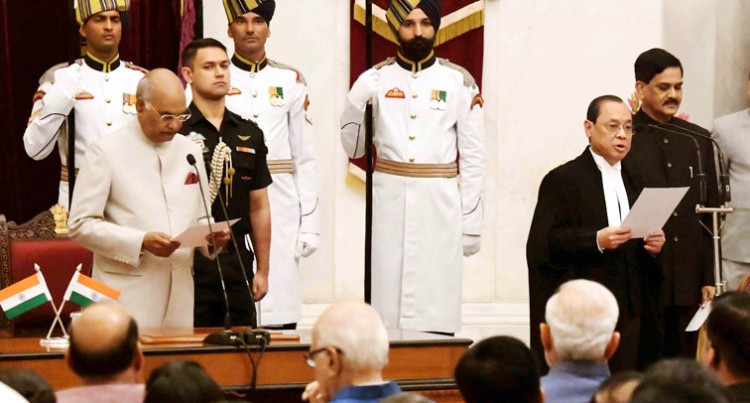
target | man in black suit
[
  {"x": 577, "y": 233},
  {"x": 665, "y": 154}
]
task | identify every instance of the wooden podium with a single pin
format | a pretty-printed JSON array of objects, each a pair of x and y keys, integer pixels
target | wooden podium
[{"x": 419, "y": 362}]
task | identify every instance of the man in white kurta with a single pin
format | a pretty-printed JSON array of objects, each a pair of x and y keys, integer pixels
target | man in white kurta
[
  {"x": 427, "y": 112},
  {"x": 99, "y": 89},
  {"x": 137, "y": 191},
  {"x": 274, "y": 96}
]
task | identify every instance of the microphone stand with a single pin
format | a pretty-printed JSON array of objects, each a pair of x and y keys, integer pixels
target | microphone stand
[
  {"x": 717, "y": 213},
  {"x": 226, "y": 337}
]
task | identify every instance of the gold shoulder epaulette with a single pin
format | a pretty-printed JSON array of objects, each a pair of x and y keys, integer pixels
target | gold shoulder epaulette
[
  {"x": 300, "y": 77},
  {"x": 468, "y": 79},
  {"x": 132, "y": 66},
  {"x": 386, "y": 62}
]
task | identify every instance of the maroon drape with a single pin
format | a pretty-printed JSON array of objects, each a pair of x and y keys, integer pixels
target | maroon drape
[{"x": 34, "y": 35}]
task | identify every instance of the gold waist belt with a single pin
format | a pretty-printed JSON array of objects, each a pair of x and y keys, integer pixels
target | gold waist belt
[
  {"x": 280, "y": 166},
  {"x": 64, "y": 173},
  {"x": 416, "y": 170}
]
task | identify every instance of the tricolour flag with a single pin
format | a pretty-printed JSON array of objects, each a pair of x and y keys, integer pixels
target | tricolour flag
[
  {"x": 24, "y": 295},
  {"x": 84, "y": 291}
]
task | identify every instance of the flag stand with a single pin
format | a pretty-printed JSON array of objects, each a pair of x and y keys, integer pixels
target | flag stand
[{"x": 62, "y": 341}]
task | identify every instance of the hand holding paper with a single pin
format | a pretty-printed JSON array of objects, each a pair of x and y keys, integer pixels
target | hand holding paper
[
  {"x": 652, "y": 210},
  {"x": 200, "y": 235}
]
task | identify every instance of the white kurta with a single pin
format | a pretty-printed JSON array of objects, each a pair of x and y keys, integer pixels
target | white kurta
[
  {"x": 104, "y": 103},
  {"x": 293, "y": 197},
  {"x": 127, "y": 187},
  {"x": 418, "y": 222}
]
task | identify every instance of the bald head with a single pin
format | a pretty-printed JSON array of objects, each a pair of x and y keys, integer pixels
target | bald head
[
  {"x": 160, "y": 98},
  {"x": 103, "y": 341},
  {"x": 356, "y": 329}
]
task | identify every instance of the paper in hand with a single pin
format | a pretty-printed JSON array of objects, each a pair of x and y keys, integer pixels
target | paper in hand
[
  {"x": 196, "y": 236},
  {"x": 652, "y": 210},
  {"x": 699, "y": 318}
]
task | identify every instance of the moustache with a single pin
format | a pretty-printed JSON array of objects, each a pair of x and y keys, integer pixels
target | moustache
[{"x": 671, "y": 101}]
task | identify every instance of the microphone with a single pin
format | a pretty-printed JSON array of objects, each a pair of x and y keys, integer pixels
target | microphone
[
  {"x": 726, "y": 188},
  {"x": 226, "y": 337},
  {"x": 701, "y": 173}
]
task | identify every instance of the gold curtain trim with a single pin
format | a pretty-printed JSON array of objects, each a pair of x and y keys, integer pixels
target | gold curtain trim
[{"x": 446, "y": 33}]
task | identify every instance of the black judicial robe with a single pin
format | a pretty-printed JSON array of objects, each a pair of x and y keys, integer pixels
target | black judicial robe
[{"x": 562, "y": 246}]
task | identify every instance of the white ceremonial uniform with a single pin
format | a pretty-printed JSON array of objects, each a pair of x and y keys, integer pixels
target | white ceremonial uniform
[
  {"x": 104, "y": 101},
  {"x": 116, "y": 201},
  {"x": 423, "y": 114},
  {"x": 275, "y": 97}
]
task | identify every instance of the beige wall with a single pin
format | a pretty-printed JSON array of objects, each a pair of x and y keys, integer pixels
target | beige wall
[{"x": 544, "y": 61}]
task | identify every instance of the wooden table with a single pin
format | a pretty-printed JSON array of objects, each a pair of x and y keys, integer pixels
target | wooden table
[{"x": 419, "y": 362}]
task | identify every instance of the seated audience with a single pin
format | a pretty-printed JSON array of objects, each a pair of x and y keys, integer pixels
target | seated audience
[
  {"x": 181, "y": 381},
  {"x": 406, "y": 397},
  {"x": 618, "y": 388},
  {"x": 679, "y": 380},
  {"x": 348, "y": 351},
  {"x": 728, "y": 348},
  {"x": 8, "y": 395},
  {"x": 499, "y": 369},
  {"x": 105, "y": 354},
  {"x": 578, "y": 338},
  {"x": 32, "y": 386}
]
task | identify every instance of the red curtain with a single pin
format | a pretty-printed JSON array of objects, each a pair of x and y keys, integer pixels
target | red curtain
[{"x": 35, "y": 35}]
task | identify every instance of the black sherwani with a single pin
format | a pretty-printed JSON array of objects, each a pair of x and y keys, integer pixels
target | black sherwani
[
  {"x": 664, "y": 159},
  {"x": 562, "y": 246}
]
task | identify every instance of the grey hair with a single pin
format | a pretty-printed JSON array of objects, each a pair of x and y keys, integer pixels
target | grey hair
[
  {"x": 362, "y": 338},
  {"x": 582, "y": 316}
]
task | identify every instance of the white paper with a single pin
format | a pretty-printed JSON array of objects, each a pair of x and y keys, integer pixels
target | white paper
[
  {"x": 196, "y": 236},
  {"x": 652, "y": 210},
  {"x": 699, "y": 318}
]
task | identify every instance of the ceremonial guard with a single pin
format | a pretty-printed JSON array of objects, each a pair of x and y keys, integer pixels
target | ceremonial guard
[
  {"x": 428, "y": 123},
  {"x": 235, "y": 156},
  {"x": 275, "y": 97},
  {"x": 100, "y": 88}
]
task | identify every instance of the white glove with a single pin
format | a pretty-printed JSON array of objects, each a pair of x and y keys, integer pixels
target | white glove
[
  {"x": 307, "y": 243},
  {"x": 472, "y": 244},
  {"x": 62, "y": 93},
  {"x": 364, "y": 88}
]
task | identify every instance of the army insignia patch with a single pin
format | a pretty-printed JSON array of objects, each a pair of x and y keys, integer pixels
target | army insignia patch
[
  {"x": 438, "y": 100},
  {"x": 84, "y": 95},
  {"x": 478, "y": 100},
  {"x": 395, "y": 93},
  {"x": 234, "y": 91},
  {"x": 128, "y": 103},
  {"x": 244, "y": 138},
  {"x": 198, "y": 139},
  {"x": 246, "y": 150},
  {"x": 276, "y": 96}
]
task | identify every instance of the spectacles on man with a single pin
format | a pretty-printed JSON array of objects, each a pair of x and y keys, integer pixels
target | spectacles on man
[
  {"x": 166, "y": 117},
  {"x": 613, "y": 128},
  {"x": 310, "y": 355}
]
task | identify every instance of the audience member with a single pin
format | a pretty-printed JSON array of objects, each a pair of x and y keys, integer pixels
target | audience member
[
  {"x": 181, "y": 381},
  {"x": 104, "y": 352},
  {"x": 32, "y": 386},
  {"x": 348, "y": 351},
  {"x": 618, "y": 388},
  {"x": 728, "y": 348},
  {"x": 578, "y": 339},
  {"x": 679, "y": 380},
  {"x": 499, "y": 369},
  {"x": 8, "y": 395},
  {"x": 406, "y": 397}
]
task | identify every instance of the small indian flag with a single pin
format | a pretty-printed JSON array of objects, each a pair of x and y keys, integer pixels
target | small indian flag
[
  {"x": 24, "y": 295},
  {"x": 84, "y": 291}
]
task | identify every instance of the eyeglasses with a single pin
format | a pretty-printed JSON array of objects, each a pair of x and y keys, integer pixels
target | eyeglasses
[
  {"x": 614, "y": 128},
  {"x": 310, "y": 355},
  {"x": 166, "y": 117}
]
